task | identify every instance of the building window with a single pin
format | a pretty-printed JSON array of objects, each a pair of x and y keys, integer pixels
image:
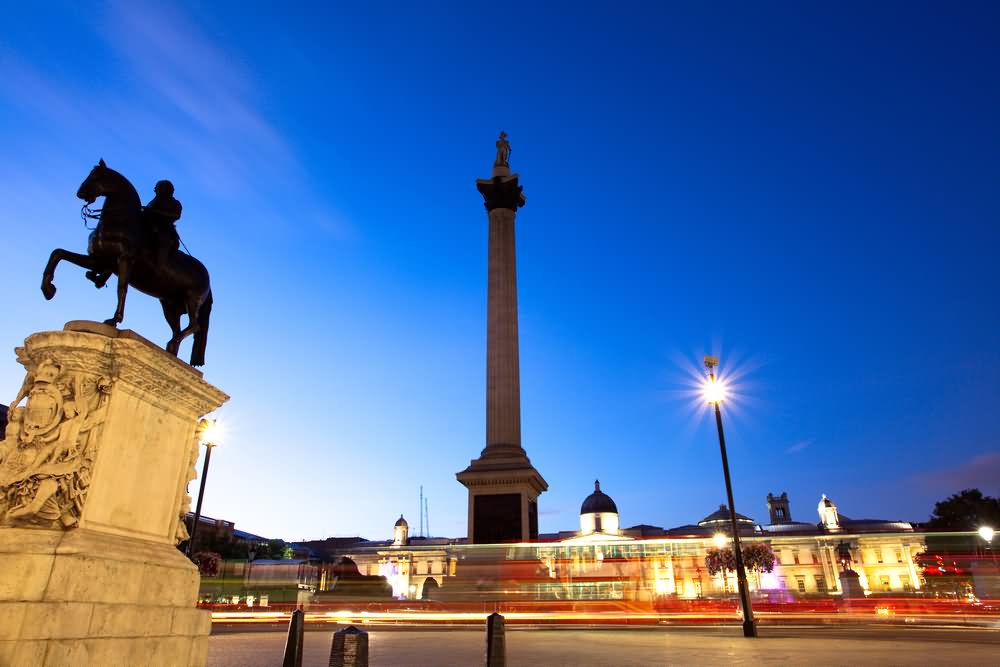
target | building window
[
  {"x": 782, "y": 583},
  {"x": 884, "y": 583},
  {"x": 780, "y": 512},
  {"x": 815, "y": 557},
  {"x": 801, "y": 582},
  {"x": 795, "y": 557},
  {"x": 878, "y": 555},
  {"x": 905, "y": 580},
  {"x": 821, "y": 584},
  {"x": 899, "y": 555}
]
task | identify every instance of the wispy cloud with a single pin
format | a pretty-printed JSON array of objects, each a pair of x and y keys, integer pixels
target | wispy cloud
[
  {"x": 982, "y": 472},
  {"x": 203, "y": 99},
  {"x": 798, "y": 446},
  {"x": 184, "y": 106}
]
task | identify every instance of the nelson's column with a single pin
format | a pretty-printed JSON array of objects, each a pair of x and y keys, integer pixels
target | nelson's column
[{"x": 503, "y": 485}]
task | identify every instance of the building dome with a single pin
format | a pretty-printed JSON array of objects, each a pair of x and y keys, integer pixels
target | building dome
[
  {"x": 401, "y": 522},
  {"x": 598, "y": 502},
  {"x": 720, "y": 517}
]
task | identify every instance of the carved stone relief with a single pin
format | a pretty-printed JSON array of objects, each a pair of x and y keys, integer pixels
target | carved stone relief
[{"x": 51, "y": 445}]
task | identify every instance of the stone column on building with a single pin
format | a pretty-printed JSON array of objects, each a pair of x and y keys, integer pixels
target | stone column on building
[
  {"x": 914, "y": 577},
  {"x": 830, "y": 557},
  {"x": 503, "y": 484},
  {"x": 94, "y": 472}
]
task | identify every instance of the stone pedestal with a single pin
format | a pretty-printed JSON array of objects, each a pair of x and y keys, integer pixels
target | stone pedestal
[
  {"x": 93, "y": 491},
  {"x": 850, "y": 584}
]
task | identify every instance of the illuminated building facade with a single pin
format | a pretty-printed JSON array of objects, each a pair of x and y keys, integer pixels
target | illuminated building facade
[
  {"x": 602, "y": 561},
  {"x": 644, "y": 561},
  {"x": 414, "y": 568}
]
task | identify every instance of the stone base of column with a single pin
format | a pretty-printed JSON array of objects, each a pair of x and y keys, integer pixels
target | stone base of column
[
  {"x": 503, "y": 496},
  {"x": 93, "y": 490}
]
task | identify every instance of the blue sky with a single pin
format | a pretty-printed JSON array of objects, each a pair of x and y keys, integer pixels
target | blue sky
[{"x": 810, "y": 192}]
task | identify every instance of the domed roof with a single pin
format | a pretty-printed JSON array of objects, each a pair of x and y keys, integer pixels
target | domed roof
[
  {"x": 598, "y": 502},
  {"x": 721, "y": 517},
  {"x": 401, "y": 522}
]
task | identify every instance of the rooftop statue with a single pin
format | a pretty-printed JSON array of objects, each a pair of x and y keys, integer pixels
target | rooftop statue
[{"x": 140, "y": 245}]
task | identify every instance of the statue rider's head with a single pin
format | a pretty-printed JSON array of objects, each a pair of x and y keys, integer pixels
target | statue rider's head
[{"x": 164, "y": 189}]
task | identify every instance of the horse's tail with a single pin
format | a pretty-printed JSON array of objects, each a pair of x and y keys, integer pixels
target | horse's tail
[{"x": 201, "y": 335}]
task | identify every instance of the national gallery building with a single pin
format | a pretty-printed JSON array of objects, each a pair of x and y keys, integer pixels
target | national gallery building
[{"x": 603, "y": 561}]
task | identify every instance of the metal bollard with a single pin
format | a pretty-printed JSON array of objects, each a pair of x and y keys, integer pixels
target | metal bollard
[
  {"x": 350, "y": 648},
  {"x": 293, "y": 644},
  {"x": 496, "y": 645}
]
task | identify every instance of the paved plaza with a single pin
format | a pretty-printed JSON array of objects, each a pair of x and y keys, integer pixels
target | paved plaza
[{"x": 854, "y": 647}]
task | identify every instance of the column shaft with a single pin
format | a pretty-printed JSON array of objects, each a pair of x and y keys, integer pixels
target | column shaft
[{"x": 503, "y": 384}]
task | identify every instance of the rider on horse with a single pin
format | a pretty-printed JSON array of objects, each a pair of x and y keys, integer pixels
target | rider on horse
[{"x": 162, "y": 213}]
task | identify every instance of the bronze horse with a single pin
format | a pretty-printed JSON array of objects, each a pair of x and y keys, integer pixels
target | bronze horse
[{"x": 123, "y": 243}]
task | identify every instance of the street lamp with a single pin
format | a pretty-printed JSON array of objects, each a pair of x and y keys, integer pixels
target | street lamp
[
  {"x": 715, "y": 393},
  {"x": 208, "y": 434},
  {"x": 987, "y": 532}
]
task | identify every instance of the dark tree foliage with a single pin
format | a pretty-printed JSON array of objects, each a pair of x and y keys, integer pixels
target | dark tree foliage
[
  {"x": 275, "y": 550},
  {"x": 756, "y": 558},
  {"x": 207, "y": 562},
  {"x": 967, "y": 510}
]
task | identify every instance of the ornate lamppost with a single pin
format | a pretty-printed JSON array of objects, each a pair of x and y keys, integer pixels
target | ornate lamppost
[
  {"x": 714, "y": 393},
  {"x": 208, "y": 433}
]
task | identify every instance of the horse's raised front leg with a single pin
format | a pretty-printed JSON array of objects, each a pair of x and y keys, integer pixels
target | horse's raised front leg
[
  {"x": 124, "y": 274},
  {"x": 58, "y": 255}
]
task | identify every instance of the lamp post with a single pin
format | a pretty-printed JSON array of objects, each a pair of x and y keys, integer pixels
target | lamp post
[
  {"x": 986, "y": 532},
  {"x": 715, "y": 394},
  {"x": 207, "y": 432}
]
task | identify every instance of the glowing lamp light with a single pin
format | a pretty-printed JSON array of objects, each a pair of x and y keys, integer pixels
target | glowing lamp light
[
  {"x": 714, "y": 391},
  {"x": 986, "y": 533},
  {"x": 210, "y": 431},
  {"x": 720, "y": 540}
]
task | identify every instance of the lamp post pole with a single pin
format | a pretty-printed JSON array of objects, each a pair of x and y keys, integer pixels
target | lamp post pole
[
  {"x": 987, "y": 534},
  {"x": 749, "y": 626},
  {"x": 201, "y": 489}
]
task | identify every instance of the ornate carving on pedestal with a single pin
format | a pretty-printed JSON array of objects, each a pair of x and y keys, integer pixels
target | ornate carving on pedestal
[
  {"x": 49, "y": 451},
  {"x": 185, "y": 506}
]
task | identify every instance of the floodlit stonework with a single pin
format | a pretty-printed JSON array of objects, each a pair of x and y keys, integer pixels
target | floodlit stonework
[{"x": 94, "y": 471}]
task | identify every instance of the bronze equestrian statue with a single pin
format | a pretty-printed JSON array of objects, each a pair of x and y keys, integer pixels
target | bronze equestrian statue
[{"x": 140, "y": 246}]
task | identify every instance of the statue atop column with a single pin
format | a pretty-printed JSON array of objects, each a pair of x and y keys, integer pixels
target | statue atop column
[{"x": 503, "y": 151}]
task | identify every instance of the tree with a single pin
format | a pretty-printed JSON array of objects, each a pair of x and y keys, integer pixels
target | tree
[
  {"x": 756, "y": 558},
  {"x": 967, "y": 510},
  {"x": 276, "y": 550},
  {"x": 207, "y": 562}
]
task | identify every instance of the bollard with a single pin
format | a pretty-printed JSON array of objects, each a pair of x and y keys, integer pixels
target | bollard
[
  {"x": 496, "y": 646},
  {"x": 350, "y": 648},
  {"x": 293, "y": 644}
]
